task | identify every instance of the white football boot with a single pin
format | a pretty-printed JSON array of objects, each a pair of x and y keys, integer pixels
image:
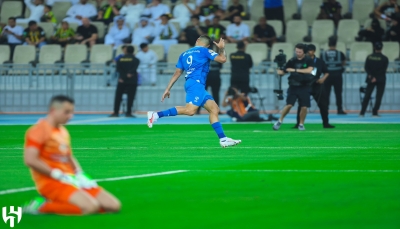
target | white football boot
[
  {"x": 228, "y": 142},
  {"x": 152, "y": 117}
]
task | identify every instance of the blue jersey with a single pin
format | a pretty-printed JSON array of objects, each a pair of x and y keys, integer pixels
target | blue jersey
[{"x": 196, "y": 63}]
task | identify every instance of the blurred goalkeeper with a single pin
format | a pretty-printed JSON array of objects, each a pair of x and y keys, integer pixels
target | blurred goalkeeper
[{"x": 59, "y": 179}]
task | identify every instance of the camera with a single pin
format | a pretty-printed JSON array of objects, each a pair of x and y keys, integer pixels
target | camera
[{"x": 280, "y": 60}]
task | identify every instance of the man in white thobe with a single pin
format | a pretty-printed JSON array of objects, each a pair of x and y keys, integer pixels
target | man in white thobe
[
  {"x": 165, "y": 34},
  {"x": 147, "y": 68},
  {"x": 144, "y": 33},
  {"x": 79, "y": 11},
  {"x": 37, "y": 11},
  {"x": 118, "y": 33},
  {"x": 155, "y": 10},
  {"x": 132, "y": 11}
]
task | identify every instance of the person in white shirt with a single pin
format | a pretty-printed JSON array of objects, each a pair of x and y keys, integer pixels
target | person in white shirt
[
  {"x": 51, "y": 2},
  {"x": 37, "y": 11},
  {"x": 147, "y": 67},
  {"x": 237, "y": 31},
  {"x": 144, "y": 33},
  {"x": 165, "y": 34},
  {"x": 14, "y": 34},
  {"x": 132, "y": 11},
  {"x": 182, "y": 13},
  {"x": 118, "y": 33},
  {"x": 79, "y": 11},
  {"x": 155, "y": 10}
]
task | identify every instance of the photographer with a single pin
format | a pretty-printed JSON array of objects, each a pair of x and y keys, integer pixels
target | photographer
[
  {"x": 300, "y": 79},
  {"x": 242, "y": 108},
  {"x": 317, "y": 88}
]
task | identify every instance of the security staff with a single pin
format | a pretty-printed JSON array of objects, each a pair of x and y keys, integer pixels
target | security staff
[
  {"x": 127, "y": 83},
  {"x": 317, "y": 88},
  {"x": 335, "y": 61},
  {"x": 241, "y": 63},
  {"x": 376, "y": 65},
  {"x": 300, "y": 79}
]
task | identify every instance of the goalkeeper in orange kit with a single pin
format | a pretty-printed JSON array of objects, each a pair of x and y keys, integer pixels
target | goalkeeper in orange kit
[{"x": 59, "y": 179}]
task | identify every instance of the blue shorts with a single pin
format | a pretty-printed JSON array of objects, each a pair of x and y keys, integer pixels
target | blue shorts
[{"x": 196, "y": 93}]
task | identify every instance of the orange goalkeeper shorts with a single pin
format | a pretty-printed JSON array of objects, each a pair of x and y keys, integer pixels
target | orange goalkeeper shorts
[{"x": 60, "y": 192}]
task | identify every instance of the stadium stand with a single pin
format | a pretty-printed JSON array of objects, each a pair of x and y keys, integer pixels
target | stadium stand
[
  {"x": 391, "y": 50},
  {"x": 322, "y": 30},
  {"x": 360, "y": 50},
  {"x": 243, "y": 2},
  {"x": 348, "y": 30},
  {"x": 277, "y": 25},
  {"x": 50, "y": 54},
  {"x": 4, "y": 53},
  {"x": 48, "y": 28},
  {"x": 10, "y": 9},
  {"x": 100, "y": 54},
  {"x": 60, "y": 10},
  {"x": 288, "y": 49},
  {"x": 362, "y": 9},
  {"x": 251, "y": 25},
  {"x": 296, "y": 30},
  {"x": 290, "y": 8},
  {"x": 175, "y": 51},
  {"x": 100, "y": 28},
  {"x": 258, "y": 52},
  {"x": 345, "y": 6},
  {"x": 159, "y": 50},
  {"x": 75, "y": 54},
  {"x": 230, "y": 48},
  {"x": 310, "y": 10},
  {"x": 257, "y": 10},
  {"x": 24, "y": 54}
]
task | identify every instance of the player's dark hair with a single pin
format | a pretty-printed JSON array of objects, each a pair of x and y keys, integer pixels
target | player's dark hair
[
  {"x": 143, "y": 45},
  {"x": 130, "y": 49},
  {"x": 332, "y": 41},
  {"x": 61, "y": 99},
  {"x": 206, "y": 39},
  {"x": 302, "y": 47},
  {"x": 195, "y": 17},
  {"x": 48, "y": 6},
  {"x": 32, "y": 23},
  {"x": 240, "y": 45},
  {"x": 12, "y": 18},
  {"x": 311, "y": 47}
]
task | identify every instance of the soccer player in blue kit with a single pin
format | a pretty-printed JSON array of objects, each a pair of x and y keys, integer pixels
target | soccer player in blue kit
[{"x": 196, "y": 63}]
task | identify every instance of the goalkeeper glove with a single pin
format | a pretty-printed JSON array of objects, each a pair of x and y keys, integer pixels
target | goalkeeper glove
[
  {"x": 85, "y": 181},
  {"x": 64, "y": 177}
]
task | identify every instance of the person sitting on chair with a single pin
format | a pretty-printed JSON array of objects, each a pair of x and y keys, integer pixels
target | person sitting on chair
[{"x": 242, "y": 108}]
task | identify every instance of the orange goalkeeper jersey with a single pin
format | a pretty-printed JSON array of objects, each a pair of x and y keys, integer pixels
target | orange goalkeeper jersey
[{"x": 54, "y": 149}]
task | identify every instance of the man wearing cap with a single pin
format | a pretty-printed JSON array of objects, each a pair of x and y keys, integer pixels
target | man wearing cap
[
  {"x": 376, "y": 65},
  {"x": 241, "y": 63},
  {"x": 335, "y": 60},
  {"x": 317, "y": 88}
]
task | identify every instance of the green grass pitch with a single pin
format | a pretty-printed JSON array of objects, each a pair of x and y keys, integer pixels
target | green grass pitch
[{"x": 348, "y": 177}]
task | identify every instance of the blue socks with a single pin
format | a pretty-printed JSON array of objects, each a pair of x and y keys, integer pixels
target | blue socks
[
  {"x": 169, "y": 112},
  {"x": 218, "y": 129}
]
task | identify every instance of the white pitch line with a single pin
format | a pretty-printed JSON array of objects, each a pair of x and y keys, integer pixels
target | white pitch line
[
  {"x": 238, "y": 147},
  {"x": 10, "y": 191},
  {"x": 300, "y": 171}
]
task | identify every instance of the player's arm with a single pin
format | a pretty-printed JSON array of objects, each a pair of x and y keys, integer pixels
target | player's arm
[
  {"x": 221, "y": 58},
  {"x": 83, "y": 179},
  {"x": 175, "y": 77},
  {"x": 75, "y": 164},
  {"x": 31, "y": 159},
  {"x": 305, "y": 70}
]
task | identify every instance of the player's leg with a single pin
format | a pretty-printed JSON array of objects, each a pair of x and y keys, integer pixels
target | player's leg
[
  {"x": 290, "y": 100},
  {"x": 303, "y": 95},
  {"x": 108, "y": 202},
  {"x": 65, "y": 199},
  {"x": 213, "y": 110}
]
